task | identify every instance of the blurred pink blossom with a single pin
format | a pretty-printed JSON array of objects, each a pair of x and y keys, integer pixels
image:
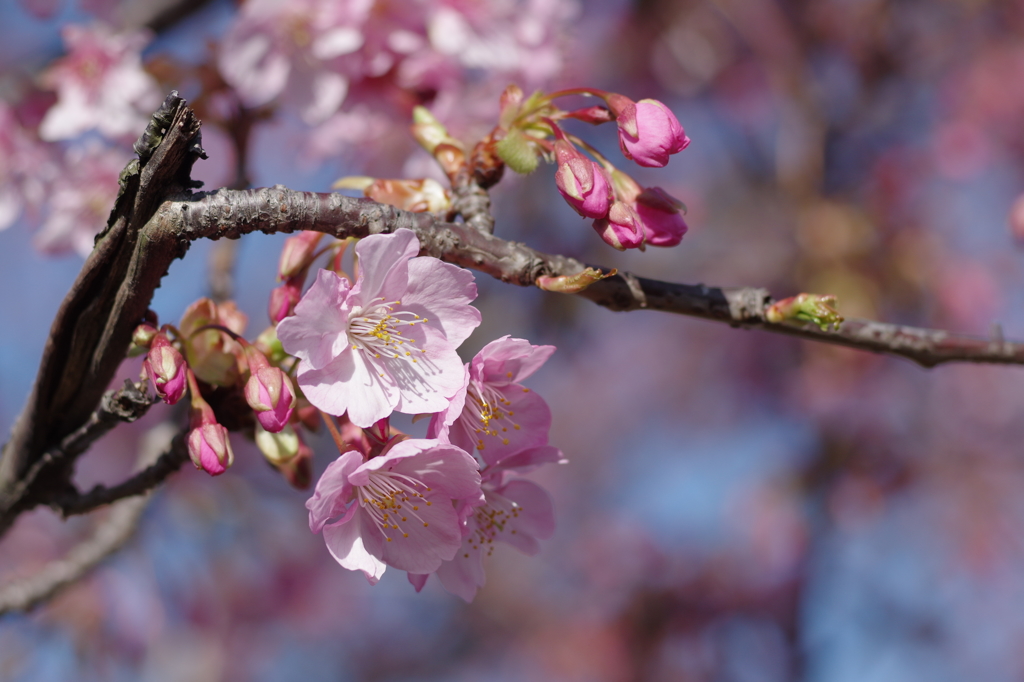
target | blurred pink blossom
[
  {"x": 80, "y": 203},
  {"x": 26, "y": 168},
  {"x": 388, "y": 341},
  {"x": 494, "y": 414},
  {"x": 100, "y": 85},
  {"x": 395, "y": 509}
]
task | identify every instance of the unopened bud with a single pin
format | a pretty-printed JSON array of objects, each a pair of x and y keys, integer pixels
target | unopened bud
[
  {"x": 297, "y": 253},
  {"x": 418, "y": 196},
  {"x": 142, "y": 338},
  {"x": 622, "y": 229},
  {"x": 278, "y": 447},
  {"x": 816, "y": 308},
  {"x": 210, "y": 449},
  {"x": 581, "y": 182},
  {"x": 166, "y": 367},
  {"x": 269, "y": 392}
]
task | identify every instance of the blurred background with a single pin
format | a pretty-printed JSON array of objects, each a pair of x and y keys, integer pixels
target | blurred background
[{"x": 737, "y": 506}]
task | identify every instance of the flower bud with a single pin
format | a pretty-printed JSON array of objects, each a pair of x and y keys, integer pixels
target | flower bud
[
  {"x": 142, "y": 339},
  {"x": 284, "y": 298},
  {"x": 581, "y": 182},
  {"x": 277, "y": 447},
  {"x": 659, "y": 212},
  {"x": 653, "y": 134},
  {"x": 212, "y": 355},
  {"x": 269, "y": 392},
  {"x": 297, "y": 253},
  {"x": 210, "y": 449},
  {"x": 816, "y": 308},
  {"x": 622, "y": 228},
  {"x": 166, "y": 367}
]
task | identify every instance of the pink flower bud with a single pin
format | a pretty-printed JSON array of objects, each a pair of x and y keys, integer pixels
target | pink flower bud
[
  {"x": 271, "y": 395},
  {"x": 165, "y": 366},
  {"x": 210, "y": 449},
  {"x": 581, "y": 182},
  {"x": 297, "y": 253},
  {"x": 659, "y": 212},
  {"x": 284, "y": 298},
  {"x": 652, "y": 136},
  {"x": 622, "y": 229}
]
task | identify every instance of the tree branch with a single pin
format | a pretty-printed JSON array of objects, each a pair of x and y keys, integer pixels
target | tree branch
[
  {"x": 230, "y": 214},
  {"x": 140, "y": 483}
]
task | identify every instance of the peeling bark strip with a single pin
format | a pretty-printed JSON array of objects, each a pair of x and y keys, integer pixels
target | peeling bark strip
[{"x": 93, "y": 327}]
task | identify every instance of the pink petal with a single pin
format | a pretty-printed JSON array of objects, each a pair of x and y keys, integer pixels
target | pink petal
[
  {"x": 464, "y": 574},
  {"x": 536, "y": 519},
  {"x": 441, "y": 292},
  {"x": 345, "y": 542},
  {"x": 418, "y": 580},
  {"x": 428, "y": 384},
  {"x": 529, "y": 459},
  {"x": 501, "y": 356},
  {"x": 441, "y": 421},
  {"x": 350, "y": 384},
  {"x": 444, "y": 468},
  {"x": 530, "y": 412},
  {"x": 332, "y": 493},
  {"x": 316, "y": 333},
  {"x": 384, "y": 263},
  {"x": 434, "y": 536}
]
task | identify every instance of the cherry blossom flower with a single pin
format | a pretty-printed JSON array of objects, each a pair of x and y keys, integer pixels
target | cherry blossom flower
[
  {"x": 387, "y": 342},
  {"x": 493, "y": 414},
  {"x": 294, "y": 48},
  {"x": 514, "y": 511},
  {"x": 100, "y": 85},
  {"x": 26, "y": 168},
  {"x": 80, "y": 203},
  {"x": 395, "y": 509}
]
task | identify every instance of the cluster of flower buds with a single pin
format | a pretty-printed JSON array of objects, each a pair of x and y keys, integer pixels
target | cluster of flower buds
[
  {"x": 207, "y": 350},
  {"x": 625, "y": 215}
]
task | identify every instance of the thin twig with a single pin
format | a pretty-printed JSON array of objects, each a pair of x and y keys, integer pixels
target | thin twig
[
  {"x": 126, "y": 404},
  {"x": 109, "y": 536},
  {"x": 140, "y": 483}
]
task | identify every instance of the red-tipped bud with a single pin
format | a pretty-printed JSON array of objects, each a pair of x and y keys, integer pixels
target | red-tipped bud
[
  {"x": 269, "y": 392},
  {"x": 660, "y": 213},
  {"x": 167, "y": 369},
  {"x": 622, "y": 228},
  {"x": 142, "y": 339},
  {"x": 594, "y": 115},
  {"x": 284, "y": 298},
  {"x": 652, "y": 136},
  {"x": 208, "y": 443},
  {"x": 581, "y": 182},
  {"x": 297, "y": 254},
  {"x": 210, "y": 449}
]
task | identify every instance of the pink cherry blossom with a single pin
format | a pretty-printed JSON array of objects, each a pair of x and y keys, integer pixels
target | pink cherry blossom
[
  {"x": 387, "y": 342},
  {"x": 27, "y": 168},
  {"x": 305, "y": 50},
  {"x": 80, "y": 203},
  {"x": 100, "y": 85},
  {"x": 653, "y": 135},
  {"x": 514, "y": 510},
  {"x": 396, "y": 509},
  {"x": 494, "y": 415}
]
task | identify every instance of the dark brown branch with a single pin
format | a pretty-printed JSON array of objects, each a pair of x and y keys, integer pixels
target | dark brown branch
[
  {"x": 123, "y": 405},
  {"x": 140, "y": 483},
  {"x": 230, "y": 214}
]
